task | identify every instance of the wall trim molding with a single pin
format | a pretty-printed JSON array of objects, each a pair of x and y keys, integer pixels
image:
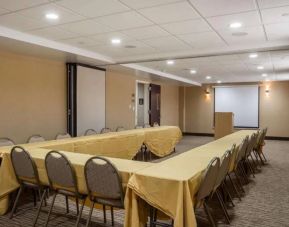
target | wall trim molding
[
  {"x": 277, "y": 138},
  {"x": 198, "y": 134}
]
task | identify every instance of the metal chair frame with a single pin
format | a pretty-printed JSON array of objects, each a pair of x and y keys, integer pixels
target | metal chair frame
[{"x": 35, "y": 136}]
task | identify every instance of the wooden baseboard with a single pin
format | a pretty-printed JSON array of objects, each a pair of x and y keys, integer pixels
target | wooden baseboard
[
  {"x": 198, "y": 134},
  {"x": 277, "y": 138}
]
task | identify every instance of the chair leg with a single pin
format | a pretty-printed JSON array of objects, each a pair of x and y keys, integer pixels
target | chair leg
[
  {"x": 77, "y": 206},
  {"x": 90, "y": 214},
  {"x": 34, "y": 197},
  {"x": 40, "y": 205},
  {"x": 250, "y": 167},
  {"x": 16, "y": 201},
  {"x": 234, "y": 187},
  {"x": 260, "y": 156},
  {"x": 112, "y": 216},
  {"x": 67, "y": 204},
  {"x": 224, "y": 186},
  {"x": 243, "y": 173},
  {"x": 263, "y": 156},
  {"x": 208, "y": 212},
  {"x": 80, "y": 213},
  {"x": 104, "y": 213},
  {"x": 239, "y": 182},
  {"x": 50, "y": 209},
  {"x": 220, "y": 199},
  {"x": 259, "y": 164}
]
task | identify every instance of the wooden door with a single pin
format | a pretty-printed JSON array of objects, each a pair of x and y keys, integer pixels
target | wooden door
[{"x": 155, "y": 104}]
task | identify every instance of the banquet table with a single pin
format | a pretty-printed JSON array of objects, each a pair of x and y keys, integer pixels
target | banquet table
[{"x": 171, "y": 185}]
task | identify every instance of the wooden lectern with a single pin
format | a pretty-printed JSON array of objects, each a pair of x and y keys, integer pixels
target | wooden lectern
[{"x": 224, "y": 124}]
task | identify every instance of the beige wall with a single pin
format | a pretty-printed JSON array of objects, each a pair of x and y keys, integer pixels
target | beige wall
[
  {"x": 121, "y": 87},
  {"x": 33, "y": 97},
  {"x": 274, "y": 109}
]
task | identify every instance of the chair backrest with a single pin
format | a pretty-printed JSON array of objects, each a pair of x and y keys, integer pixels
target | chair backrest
[
  {"x": 60, "y": 172},
  {"x": 242, "y": 150},
  {"x": 23, "y": 165},
  {"x": 6, "y": 142},
  {"x": 251, "y": 143},
  {"x": 209, "y": 179},
  {"x": 224, "y": 167},
  {"x": 147, "y": 126},
  {"x": 102, "y": 179},
  {"x": 156, "y": 124},
  {"x": 138, "y": 127},
  {"x": 62, "y": 136},
  {"x": 35, "y": 139},
  {"x": 90, "y": 132},
  {"x": 262, "y": 137},
  {"x": 120, "y": 128},
  {"x": 105, "y": 130}
]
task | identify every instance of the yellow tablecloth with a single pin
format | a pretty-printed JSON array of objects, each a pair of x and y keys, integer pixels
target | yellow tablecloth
[
  {"x": 8, "y": 181},
  {"x": 171, "y": 185}
]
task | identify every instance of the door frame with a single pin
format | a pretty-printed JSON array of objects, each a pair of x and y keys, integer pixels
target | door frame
[{"x": 136, "y": 98}]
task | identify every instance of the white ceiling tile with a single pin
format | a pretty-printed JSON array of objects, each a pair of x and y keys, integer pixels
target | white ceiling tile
[
  {"x": 19, "y": 22},
  {"x": 185, "y": 27},
  {"x": 20, "y": 4},
  {"x": 274, "y": 15},
  {"x": 203, "y": 40},
  {"x": 277, "y": 31},
  {"x": 146, "y": 32},
  {"x": 221, "y": 7},
  {"x": 272, "y": 3},
  {"x": 124, "y": 21},
  {"x": 170, "y": 13},
  {"x": 86, "y": 27},
  {"x": 253, "y": 35},
  {"x": 167, "y": 43},
  {"x": 53, "y": 33},
  {"x": 80, "y": 42},
  {"x": 2, "y": 11},
  {"x": 138, "y": 4},
  {"x": 247, "y": 19},
  {"x": 94, "y": 8},
  {"x": 38, "y": 13}
]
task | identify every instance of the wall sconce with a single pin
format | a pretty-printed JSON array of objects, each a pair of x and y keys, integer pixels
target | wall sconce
[
  {"x": 207, "y": 91},
  {"x": 267, "y": 90}
]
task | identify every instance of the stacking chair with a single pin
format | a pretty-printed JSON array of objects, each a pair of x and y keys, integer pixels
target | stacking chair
[
  {"x": 62, "y": 136},
  {"x": 104, "y": 185},
  {"x": 27, "y": 176},
  {"x": 35, "y": 139},
  {"x": 147, "y": 125},
  {"x": 90, "y": 132},
  {"x": 119, "y": 128},
  {"x": 207, "y": 187},
  {"x": 248, "y": 154},
  {"x": 62, "y": 180},
  {"x": 156, "y": 124},
  {"x": 6, "y": 142},
  {"x": 260, "y": 144},
  {"x": 105, "y": 130}
]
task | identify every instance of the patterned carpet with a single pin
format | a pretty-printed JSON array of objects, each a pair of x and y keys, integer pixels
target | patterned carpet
[{"x": 266, "y": 202}]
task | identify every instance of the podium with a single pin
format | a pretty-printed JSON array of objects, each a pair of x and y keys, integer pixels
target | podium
[{"x": 224, "y": 124}]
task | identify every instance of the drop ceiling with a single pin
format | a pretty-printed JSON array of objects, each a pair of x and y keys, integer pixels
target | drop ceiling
[{"x": 161, "y": 29}]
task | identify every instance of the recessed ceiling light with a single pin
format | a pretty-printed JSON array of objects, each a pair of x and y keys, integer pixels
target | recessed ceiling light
[
  {"x": 219, "y": 81},
  {"x": 264, "y": 74},
  {"x": 116, "y": 41},
  {"x": 254, "y": 55},
  {"x": 208, "y": 77},
  {"x": 170, "y": 62},
  {"x": 236, "y": 25},
  {"x": 52, "y": 16},
  {"x": 260, "y": 67},
  {"x": 193, "y": 71}
]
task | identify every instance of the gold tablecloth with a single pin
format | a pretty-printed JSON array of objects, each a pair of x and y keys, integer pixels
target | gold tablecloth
[
  {"x": 171, "y": 185},
  {"x": 8, "y": 181}
]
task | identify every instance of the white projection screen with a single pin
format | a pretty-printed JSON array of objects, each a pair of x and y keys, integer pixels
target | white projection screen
[
  {"x": 243, "y": 101},
  {"x": 90, "y": 99}
]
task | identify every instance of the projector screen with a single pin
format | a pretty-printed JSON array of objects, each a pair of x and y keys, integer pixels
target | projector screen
[{"x": 243, "y": 101}]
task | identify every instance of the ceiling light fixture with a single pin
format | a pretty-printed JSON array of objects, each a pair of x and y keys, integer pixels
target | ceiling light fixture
[
  {"x": 264, "y": 74},
  {"x": 260, "y": 67},
  {"x": 219, "y": 81},
  {"x": 115, "y": 41},
  {"x": 170, "y": 62},
  {"x": 236, "y": 25},
  {"x": 208, "y": 77},
  {"x": 253, "y": 55},
  {"x": 193, "y": 71},
  {"x": 52, "y": 16}
]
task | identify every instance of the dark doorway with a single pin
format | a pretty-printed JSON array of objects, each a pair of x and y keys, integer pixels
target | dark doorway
[{"x": 155, "y": 104}]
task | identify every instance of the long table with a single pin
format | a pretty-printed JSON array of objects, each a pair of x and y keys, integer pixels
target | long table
[{"x": 171, "y": 185}]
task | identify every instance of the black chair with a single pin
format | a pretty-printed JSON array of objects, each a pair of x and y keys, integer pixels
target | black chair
[
  {"x": 62, "y": 180},
  {"x": 27, "y": 176},
  {"x": 104, "y": 185},
  {"x": 6, "y": 142},
  {"x": 105, "y": 130}
]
